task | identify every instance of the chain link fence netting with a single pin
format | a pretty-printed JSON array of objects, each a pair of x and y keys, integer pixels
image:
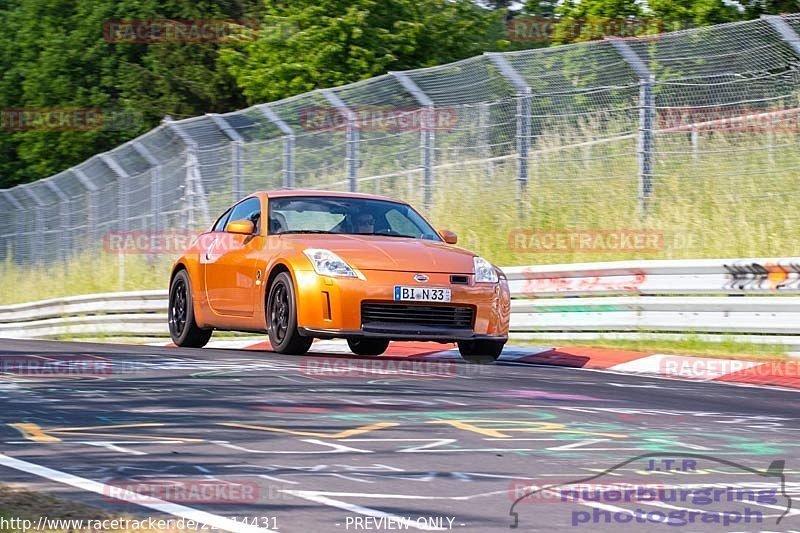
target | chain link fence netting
[{"x": 693, "y": 133}]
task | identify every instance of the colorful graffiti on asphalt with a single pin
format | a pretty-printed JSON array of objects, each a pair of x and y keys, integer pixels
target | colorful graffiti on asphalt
[{"x": 526, "y": 432}]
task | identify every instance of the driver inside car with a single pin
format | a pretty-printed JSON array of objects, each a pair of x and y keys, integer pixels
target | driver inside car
[{"x": 365, "y": 223}]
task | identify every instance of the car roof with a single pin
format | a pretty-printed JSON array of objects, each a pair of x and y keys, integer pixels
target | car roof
[{"x": 282, "y": 193}]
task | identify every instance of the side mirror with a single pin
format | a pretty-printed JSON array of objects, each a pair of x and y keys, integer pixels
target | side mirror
[
  {"x": 241, "y": 227},
  {"x": 448, "y": 236}
]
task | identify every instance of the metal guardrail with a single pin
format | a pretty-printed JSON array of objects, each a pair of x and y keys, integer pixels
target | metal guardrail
[
  {"x": 116, "y": 313},
  {"x": 716, "y": 297}
]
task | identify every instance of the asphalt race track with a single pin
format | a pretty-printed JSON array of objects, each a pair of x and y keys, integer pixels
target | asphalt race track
[{"x": 390, "y": 445}]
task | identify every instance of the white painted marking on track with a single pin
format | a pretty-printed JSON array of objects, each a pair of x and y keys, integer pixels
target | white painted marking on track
[
  {"x": 113, "y": 447},
  {"x": 669, "y": 378},
  {"x": 202, "y": 517},
  {"x": 353, "y": 508},
  {"x": 335, "y": 448}
]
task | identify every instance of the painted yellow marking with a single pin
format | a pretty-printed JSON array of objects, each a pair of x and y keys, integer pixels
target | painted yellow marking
[
  {"x": 341, "y": 435},
  {"x": 34, "y": 433},
  {"x": 521, "y": 426}
]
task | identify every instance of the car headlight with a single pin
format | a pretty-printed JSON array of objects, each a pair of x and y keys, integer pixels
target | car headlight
[
  {"x": 484, "y": 271},
  {"x": 327, "y": 263}
]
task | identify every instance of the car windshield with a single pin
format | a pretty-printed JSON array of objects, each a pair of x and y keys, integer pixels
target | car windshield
[{"x": 343, "y": 215}]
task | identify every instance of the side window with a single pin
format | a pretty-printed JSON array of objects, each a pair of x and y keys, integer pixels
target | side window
[
  {"x": 249, "y": 209},
  {"x": 222, "y": 221}
]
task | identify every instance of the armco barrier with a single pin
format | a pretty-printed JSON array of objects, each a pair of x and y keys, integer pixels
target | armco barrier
[
  {"x": 116, "y": 313},
  {"x": 715, "y": 297}
]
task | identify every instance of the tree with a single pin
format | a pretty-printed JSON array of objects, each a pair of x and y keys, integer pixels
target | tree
[
  {"x": 310, "y": 44},
  {"x": 585, "y": 20},
  {"x": 755, "y": 8},
  {"x": 681, "y": 14},
  {"x": 53, "y": 55},
  {"x": 540, "y": 8}
]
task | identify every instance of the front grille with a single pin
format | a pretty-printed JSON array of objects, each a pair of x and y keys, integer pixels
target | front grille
[
  {"x": 417, "y": 315},
  {"x": 458, "y": 279}
]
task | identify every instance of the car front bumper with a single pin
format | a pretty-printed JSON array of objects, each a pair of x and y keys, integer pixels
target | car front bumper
[
  {"x": 331, "y": 307},
  {"x": 408, "y": 334}
]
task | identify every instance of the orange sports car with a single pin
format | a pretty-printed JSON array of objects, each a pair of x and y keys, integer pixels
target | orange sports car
[{"x": 301, "y": 265}]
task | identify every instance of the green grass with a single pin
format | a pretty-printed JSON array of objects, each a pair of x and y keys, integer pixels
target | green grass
[{"x": 684, "y": 345}]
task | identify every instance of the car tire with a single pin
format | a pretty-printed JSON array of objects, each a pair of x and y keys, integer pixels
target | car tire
[
  {"x": 182, "y": 327},
  {"x": 368, "y": 346},
  {"x": 480, "y": 352},
  {"x": 282, "y": 318}
]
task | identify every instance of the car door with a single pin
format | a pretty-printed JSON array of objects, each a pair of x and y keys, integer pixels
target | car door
[{"x": 230, "y": 263}]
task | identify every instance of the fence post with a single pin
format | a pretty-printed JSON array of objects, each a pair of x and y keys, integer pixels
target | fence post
[
  {"x": 786, "y": 32},
  {"x": 155, "y": 183},
  {"x": 352, "y": 137},
  {"x": 123, "y": 202},
  {"x": 427, "y": 128},
  {"x": 37, "y": 245},
  {"x": 238, "y": 147},
  {"x": 288, "y": 144},
  {"x": 647, "y": 112},
  {"x": 17, "y": 216},
  {"x": 484, "y": 117},
  {"x": 91, "y": 189},
  {"x": 63, "y": 215},
  {"x": 194, "y": 188},
  {"x": 523, "y": 133}
]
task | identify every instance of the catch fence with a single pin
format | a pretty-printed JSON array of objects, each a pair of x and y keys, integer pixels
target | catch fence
[{"x": 692, "y": 132}]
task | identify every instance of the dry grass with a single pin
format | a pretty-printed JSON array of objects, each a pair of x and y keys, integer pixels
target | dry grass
[
  {"x": 737, "y": 198},
  {"x": 22, "y": 504}
]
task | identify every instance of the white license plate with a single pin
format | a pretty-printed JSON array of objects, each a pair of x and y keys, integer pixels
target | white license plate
[{"x": 421, "y": 294}]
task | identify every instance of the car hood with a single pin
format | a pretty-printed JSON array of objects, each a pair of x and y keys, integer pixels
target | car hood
[{"x": 374, "y": 252}]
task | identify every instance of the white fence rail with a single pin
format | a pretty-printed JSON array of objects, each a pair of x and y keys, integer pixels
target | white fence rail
[{"x": 714, "y": 297}]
